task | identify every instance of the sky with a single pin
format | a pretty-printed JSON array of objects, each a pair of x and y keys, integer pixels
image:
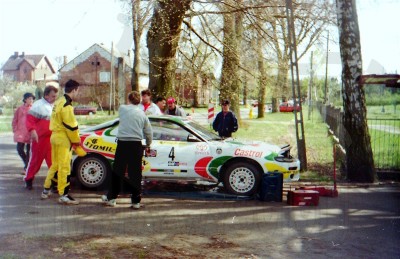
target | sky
[{"x": 58, "y": 28}]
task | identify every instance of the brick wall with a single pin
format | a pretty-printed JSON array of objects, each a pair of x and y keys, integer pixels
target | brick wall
[{"x": 87, "y": 74}]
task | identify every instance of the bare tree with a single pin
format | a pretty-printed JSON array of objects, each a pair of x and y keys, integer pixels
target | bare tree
[
  {"x": 230, "y": 76},
  {"x": 140, "y": 12},
  {"x": 359, "y": 158},
  {"x": 311, "y": 19},
  {"x": 162, "y": 42}
]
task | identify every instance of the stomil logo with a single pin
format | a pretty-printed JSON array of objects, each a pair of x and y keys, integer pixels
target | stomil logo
[
  {"x": 99, "y": 145},
  {"x": 249, "y": 153}
]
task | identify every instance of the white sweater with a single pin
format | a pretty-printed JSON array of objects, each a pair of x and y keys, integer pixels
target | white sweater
[{"x": 134, "y": 124}]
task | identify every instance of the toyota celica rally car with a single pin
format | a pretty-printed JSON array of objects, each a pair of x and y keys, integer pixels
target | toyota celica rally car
[{"x": 182, "y": 150}]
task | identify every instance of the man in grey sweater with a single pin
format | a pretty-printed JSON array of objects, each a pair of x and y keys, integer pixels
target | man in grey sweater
[{"x": 133, "y": 127}]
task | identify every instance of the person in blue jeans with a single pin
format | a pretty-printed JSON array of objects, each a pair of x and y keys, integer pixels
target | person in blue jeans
[{"x": 225, "y": 122}]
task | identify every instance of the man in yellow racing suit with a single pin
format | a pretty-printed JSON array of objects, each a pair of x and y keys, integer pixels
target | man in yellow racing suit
[{"x": 64, "y": 138}]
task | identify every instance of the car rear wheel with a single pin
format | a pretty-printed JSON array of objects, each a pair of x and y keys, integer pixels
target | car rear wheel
[
  {"x": 241, "y": 179},
  {"x": 93, "y": 172}
]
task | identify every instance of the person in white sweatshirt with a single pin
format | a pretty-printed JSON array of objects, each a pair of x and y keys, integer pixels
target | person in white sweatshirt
[{"x": 133, "y": 127}]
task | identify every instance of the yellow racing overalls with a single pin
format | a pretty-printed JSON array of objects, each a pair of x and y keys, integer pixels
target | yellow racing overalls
[{"x": 65, "y": 132}]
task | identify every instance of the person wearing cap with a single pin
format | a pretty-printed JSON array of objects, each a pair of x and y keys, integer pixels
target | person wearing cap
[
  {"x": 37, "y": 123},
  {"x": 173, "y": 109},
  {"x": 64, "y": 138},
  {"x": 147, "y": 105},
  {"x": 225, "y": 122},
  {"x": 134, "y": 126},
  {"x": 21, "y": 134}
]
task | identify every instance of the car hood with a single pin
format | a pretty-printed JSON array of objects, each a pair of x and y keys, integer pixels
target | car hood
[{"x": 250, "y": 148}]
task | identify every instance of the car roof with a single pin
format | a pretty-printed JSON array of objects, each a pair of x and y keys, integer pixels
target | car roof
[{"x": 179, "y": 120}]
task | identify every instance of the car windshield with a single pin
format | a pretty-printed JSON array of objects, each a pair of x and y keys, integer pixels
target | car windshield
[{"x": 202, "y": 131}]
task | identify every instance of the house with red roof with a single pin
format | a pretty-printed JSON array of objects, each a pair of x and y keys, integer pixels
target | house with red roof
[{"x": 28, "y": 68}]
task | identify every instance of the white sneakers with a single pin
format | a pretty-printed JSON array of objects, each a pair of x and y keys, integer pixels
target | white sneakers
[
  {"x": 68, "y": 200},
  {"x": 113, "y": 202},
  {"x": 106, "y": 202},
  {"x": 135, "y": 206}
]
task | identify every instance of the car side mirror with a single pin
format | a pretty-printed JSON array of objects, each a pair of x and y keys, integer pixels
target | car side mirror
[{"x": 192, "y": 138}]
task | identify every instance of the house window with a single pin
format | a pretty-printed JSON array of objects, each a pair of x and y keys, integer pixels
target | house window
[{"x": 25, "y": 70}]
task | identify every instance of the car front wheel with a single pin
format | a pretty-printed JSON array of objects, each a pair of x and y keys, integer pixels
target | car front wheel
[
  {"x": 241, "y": 179},
  {"x": 93, "y": 171}
]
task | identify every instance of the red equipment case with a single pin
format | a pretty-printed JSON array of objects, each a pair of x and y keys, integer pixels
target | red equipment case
[
  {"x": 321, "y": 190},
  {"x": 303, "y": 198}
]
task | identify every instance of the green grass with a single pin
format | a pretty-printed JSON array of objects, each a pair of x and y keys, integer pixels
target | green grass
[
  {"x": 384, "y": 111},
  {"x": 279, "y": 128},
  {"x": 385, "y": 140}
]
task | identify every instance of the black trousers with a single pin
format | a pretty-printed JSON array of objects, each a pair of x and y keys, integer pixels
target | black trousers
[
  {"x": 128, "y": 157},
  {"x": 23, "y": 150}
]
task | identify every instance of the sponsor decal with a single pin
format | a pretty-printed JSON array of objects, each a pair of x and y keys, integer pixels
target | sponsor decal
[
  {"x": 201, "y": 147},
  {"x": 168, "y": 171},
  {"x": 152, "y": 153},
  {"x": 174, "y": 163},
  {"x": 248, "y": 153},
  {"x": 204, "y": 153},
  {"x": 98, "y": 144},
  {"x": 219, "y": 150}
]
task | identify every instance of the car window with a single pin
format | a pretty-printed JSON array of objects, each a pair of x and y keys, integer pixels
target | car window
[
  {"x": 165, "y": 130},
  {"x": 202, "y": 132}
]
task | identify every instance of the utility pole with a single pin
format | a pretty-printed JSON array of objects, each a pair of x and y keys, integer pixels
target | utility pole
[
  {"x": 310, "y": 86},
  {"x": 326, "y": 69},
  {"x": 111, "y": 77},
  {"x": 301, "y": 142}
]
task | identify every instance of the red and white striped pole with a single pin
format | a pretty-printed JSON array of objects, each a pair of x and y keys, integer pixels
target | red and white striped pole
[{"x": 210, "y": 113}]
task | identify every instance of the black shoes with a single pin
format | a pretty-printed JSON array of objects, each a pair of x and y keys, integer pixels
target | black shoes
[{"x": 28, "y": 184}]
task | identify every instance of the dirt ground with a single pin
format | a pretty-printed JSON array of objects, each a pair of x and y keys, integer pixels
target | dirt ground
[{"x": 195, "y": 224}]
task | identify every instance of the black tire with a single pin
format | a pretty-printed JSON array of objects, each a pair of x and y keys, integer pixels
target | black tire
[
  {"x": 93, "y": 172},
  {"x": 241, "y": 178}
]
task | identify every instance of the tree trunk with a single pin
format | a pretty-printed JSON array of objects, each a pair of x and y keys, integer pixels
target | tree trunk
[
  {"x": 230, "y": 81},
  {"x": 282, "y": 82},
  {"x": 262, "y": 78},
  {"x": 162, "y": 42},
  {"x": 359, "y": 158},
  {"x": 136, "y": 40}
]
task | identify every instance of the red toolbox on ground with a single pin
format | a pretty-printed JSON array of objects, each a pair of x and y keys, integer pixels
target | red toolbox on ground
[
  {"x": 321, "y": 190},
  {"x": 303, "y": 198}
]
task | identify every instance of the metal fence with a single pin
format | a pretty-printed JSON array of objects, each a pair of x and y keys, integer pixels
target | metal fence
[{"x": 385, "y": 137}]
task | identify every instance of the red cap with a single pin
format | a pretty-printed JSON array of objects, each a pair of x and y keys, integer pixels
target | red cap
[{"x": 171, "y": 100}]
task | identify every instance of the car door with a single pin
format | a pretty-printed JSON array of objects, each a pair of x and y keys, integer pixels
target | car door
[{"x": 171, "y": 154}]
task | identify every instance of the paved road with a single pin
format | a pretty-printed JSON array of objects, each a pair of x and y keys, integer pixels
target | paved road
[{"x": 363, "y": 222}]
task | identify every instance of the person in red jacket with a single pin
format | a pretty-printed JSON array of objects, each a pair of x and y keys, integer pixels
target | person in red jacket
[
  {"x": 21, "y": 135},
  {"x": 37, "y": 123}
]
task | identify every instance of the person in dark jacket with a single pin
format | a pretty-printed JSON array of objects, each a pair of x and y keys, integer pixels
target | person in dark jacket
[{"x": 225, "y": 122}]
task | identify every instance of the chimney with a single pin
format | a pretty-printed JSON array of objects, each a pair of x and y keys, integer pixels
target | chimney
[
  {"x": 16, "y": 54},
  {"x": 23, "y": 54},
  {"x": 65, "y": 60}
]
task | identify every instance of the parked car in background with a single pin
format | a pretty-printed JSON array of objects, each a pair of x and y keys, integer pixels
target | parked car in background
[
  {"x": 182, "y": 150},
  {"x": 288, "y": 107},
  {"x": 84, "y": 110}
]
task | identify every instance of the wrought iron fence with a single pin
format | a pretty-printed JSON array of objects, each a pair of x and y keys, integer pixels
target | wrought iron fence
[{"x": 385, "y": 137}]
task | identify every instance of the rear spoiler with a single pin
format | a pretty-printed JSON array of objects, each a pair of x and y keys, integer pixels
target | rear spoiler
[{"x": 389, "y": 80}]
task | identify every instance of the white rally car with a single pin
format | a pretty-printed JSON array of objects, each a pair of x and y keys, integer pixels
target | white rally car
[{"x": 182, "y": 150}]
